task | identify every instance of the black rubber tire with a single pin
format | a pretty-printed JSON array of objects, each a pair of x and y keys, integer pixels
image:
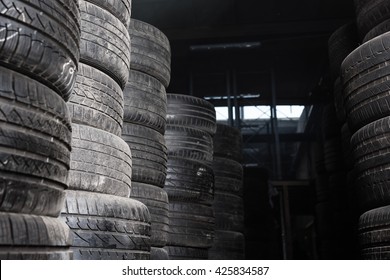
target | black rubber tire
[
  {"x": 149, "y": 154},
  {"x": 189, "y": 111},
  {"x": 159, "y": 254},
  {"x": 372, "y": 160},
  {"x": 229, "y": 212},
  {"x": 365, "y": 76},
  {"x": 186, "y": 253},
  {"x": 346, "y": 147},
  {"x": 30, "y": 237},
  {"x": 228, "y": 176},
  {"x": 121, "y": 9},
  {"x": 189, "y": 180},
  {"x": 339, "y": 101},
  {"x": 156, "y": 199},
  {"x": 330, "y": 124},
  {"x": 41, "y": 39},
  {"x": 97, "y": 100},
  {"x": 107, "y": 227},
  {"x": 340, "y": 44},
  {"x": 374, "y": 234},
  {"x": 190, "y": 225},
  {"x": 105, "y": 42},
  {"x": 150, "y": 51},
  {"x": 145, "y": 101},
  {"x": 228, "y": 245},
  {"x": 377, "y": 30},
  {"x": 100, "y": 162},
  {"x": 189, "y": 143},
  {"x": 333, "y": 155},
  {"x": 228, "y": 142},
  {"x": 35, "y": 136}
]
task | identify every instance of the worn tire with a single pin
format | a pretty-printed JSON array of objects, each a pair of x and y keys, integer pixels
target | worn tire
[
  {"x": 150, "y": 51},
  {"x": 35, "y": 136},
  {"x": 97, "y": 100},
  {"x": 30, "y": 237},
  {"x": 105, "y": 42},
  {"x": 228, "y": 176},
  {"x": 156, "y": 199},
  {"x": 374, "y": 234},
  {"x": 228, "y": 245},
  {"x": 120, "y": 9},
  {"x": 158, "y": 254},
  {"x": 228, "y": 142},
  {"x": 333, "y": 155},
  {"x": 229, "y": 212},
  {"x": 339, "y": 101},
  {"x": 189, "y": 180},
  {"x": 100, "y": 162},
  {"x": 186, "y": 253},
  {"x": 365, "y": 76},
  {"x": 149, "y": 154},
  {"x": 189, "y": 143},
  {"x": 107, "y": 227},
  {"x": 193, "y": 112},
  {"x": 190, "y": 225},
  {"x": 145, "y": 101},
  {"x": 41, "y": 39},
  {"x": 377, "y": 30}
]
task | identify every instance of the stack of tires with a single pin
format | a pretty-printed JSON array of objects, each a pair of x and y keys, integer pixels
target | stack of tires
[
  {"x": 105, "y": 222},
  {"x": 191, "y": 125},
  {"x": 145, "y": 105},
  {"x": 229, "y": 242},
  {"x": 365, "y": 78},
  {"x": 38, "y": 66}
]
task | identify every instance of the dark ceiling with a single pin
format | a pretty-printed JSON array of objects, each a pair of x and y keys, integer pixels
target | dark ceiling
[{"x": 287, "y": 40}]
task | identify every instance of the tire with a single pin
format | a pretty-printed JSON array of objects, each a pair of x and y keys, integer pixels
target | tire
[
  {"x": 228, "y": 245},
  {"x": 42, "y": 42},
  {"x": 374, "y": 234},
  {"x": 145, "y": 101},
  {"x": 339, "y": 101},
  {"x": 228, "y": 142},
  {"x": 228, "y": 176},
  {"x": 159, "y": 254},
  {"x": 100, "y": 162},
  {"x": 333, "y": 155},
  {"x": 192, "y": 112},
  {"x": 365, "y": 79},
  {"x": 229, "y": 212},
  {"x": 105, "y": 42},
  {"x": 97, "y": 101},
  {"x": 186, "y": 253},
  {"x": 107, "y": 227},
  {"x": 150, "y": 51},
  {"x": 120, "y": 9},
  {"x": 190, "y": 181},
  {"x": 29, "y": 237},
  {"x": 346, "y": 146},
  {"x": 380, "y": 29},
  {"x": 370, "y": 147},
  {"x": 149, "y": 154},
  {"x": 156, "y": 199},
  {"x": 35, "y": 136},
  {"x": 189, "y": 143},
  {"x": 330, "y": 124},
  {"x": 190, "y": 225}
]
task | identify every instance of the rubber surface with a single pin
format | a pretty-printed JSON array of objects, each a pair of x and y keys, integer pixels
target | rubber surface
[
  {"x": 119, "y": 8},
  {"x": 228, "y": 142},
  {"x": 186, "y": 253},
  {"x": 228, "y": 245},
  {"x": 228, "y": 176}
]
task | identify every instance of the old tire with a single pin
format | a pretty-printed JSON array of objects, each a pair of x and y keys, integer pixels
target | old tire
[
  {"x": 229, "y": 212},
  {"x": 228, "y": 176},
  {"x": 186, "y": 253},
  {"x": 228, "y": 245},
  {"x": 158, "y": 254},
  {"x": 120, "y": 9},
  {"x": 228, "y": 142}
]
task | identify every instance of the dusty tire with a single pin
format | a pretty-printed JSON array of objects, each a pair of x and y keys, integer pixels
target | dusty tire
[
  {"x": 186, "y": 253},
  {"x": 29, "y": 237},
  {"x": 105, "y": 42},
  {"x": 189, "y": 143},
  {"x": 150, "y": 51},
  {"x": 42, "y": 41},
  {"x": 228, "y": 176},
  {"x": 145, "y": 101},
  {"x": 193, "y": 112},
  {"x": 228, "y": 245},
  {"x": 190, "y": 225},
  {"x": 120, "y": 9},
  {"x": 100, "y": 162},
  {"x": 229, "y": 212},
  {"x": 189, "y": 180},
  {"x": 156, "y": 199},
  {"x": 228, "y": 143},
  {"x": 35, "y": 136},
  {"x": 158, "y": 254},
  {"x": 377, "y": 30},
  {"x": 365, "y": 76},
  {"x": 149, "y": 154},
  {"x": 97, "y": 101},
  {"x": 107, "y": 227}
]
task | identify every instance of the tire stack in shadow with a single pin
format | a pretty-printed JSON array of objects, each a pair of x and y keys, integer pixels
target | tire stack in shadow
[
  {"x": 191, "y": 125},
  {"x": 365, "y": 76},
  {"x": 145, "y": 106},
  {"x": 105, "y": 222},
  {"x": 38, "y": 66},
  {"x": 229, "y": 241}
]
